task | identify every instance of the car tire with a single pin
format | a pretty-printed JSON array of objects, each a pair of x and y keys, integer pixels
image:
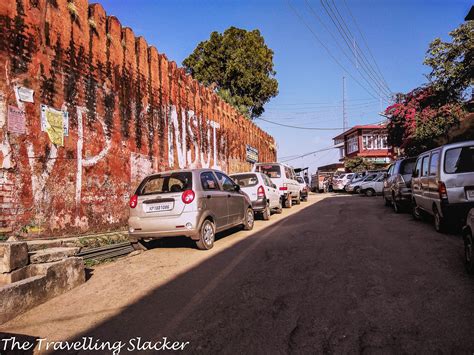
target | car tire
[
  {"x": 139, "y": 245},
  {"x": 266, "y": 213},
  {"x": 356, "y": 190},
  {"x": 207, "y": 235},
  {"x": 416, "y": 211},
  {"x": 468, "y": 257},
  {"x": 370, "y": 192},
  {"x": 249, "y": 219},
  {"x": 439, "y": 222},
  {"x": 288, "y": 202},
  {"x": 304, "y": 199},
  {"x": 279, "y": 209},
  {"x": 298, "y": 199},
  {"x": 396, "y": 206}
]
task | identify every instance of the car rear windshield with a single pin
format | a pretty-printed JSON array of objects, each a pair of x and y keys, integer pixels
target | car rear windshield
[
  {"x": 165, "y": 183},
  {"x": 459, "y": 160},
  {"x": 245, "y": 180},
  {"x": 272, "y": 171},
  {"x": 407, "y": 166}
]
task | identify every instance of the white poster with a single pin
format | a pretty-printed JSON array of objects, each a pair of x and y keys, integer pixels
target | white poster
[{"x": 24, "y": 94}]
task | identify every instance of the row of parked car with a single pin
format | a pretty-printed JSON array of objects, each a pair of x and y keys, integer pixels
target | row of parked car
[
  {"x": 437, "y": 183},
  {"x": 198, "y": 203}
]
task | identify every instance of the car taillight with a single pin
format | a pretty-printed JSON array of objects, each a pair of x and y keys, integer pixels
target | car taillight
[
  {"x": 133, "y": 201},
  {"x": 283, "y": 188},
  {"x": 442, "y": 190},
  {"x": 260, "y": 192},
  {"x": 188, "y": 196}
]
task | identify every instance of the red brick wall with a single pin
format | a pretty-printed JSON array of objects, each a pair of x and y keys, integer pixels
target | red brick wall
[{"x": 131, "y": 112}]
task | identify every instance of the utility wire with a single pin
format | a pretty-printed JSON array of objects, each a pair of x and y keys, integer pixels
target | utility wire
[
  {"x": 365, "y": 42},
  {"x": 347, "y": 35},
  {"x": 329, "y": 52},
  {"x": 346, "y": 38},
  {"x": 298, "y": 127},
  {"x": 379, "y": 79},
  {"x": 313, "y": 152}
]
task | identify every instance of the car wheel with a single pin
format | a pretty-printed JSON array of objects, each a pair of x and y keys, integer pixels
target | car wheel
[
  {"x": 469, "y": 262},
  {"x": 207, "y": 235},
  {"x": 139, "y": 245},
  {"x": 369, "y": 192},
  {"x": 415, "y": 211},
  {"x": 396, "y": 205},
  {"x": 249, "y": 219},
  {"x": 288, "y": 202},
  {"x": 356, "y": 190},
  {"x": 279, "y": 208},
  {"x": 298, "y": 199},
  {"x": 438, "y": 220},
  {"x": 266, "y": 213}
]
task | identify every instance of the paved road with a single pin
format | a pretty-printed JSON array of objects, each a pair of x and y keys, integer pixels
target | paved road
[{"x": 345, "y": 274}]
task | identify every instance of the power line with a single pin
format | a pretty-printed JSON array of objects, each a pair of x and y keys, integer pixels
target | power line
[
  {"x": 329, "y": 52},
  {"x": 313, "y": 152},
  {"x": 298, "y": 127},
  {"x": 365, "y": 42},
  {"x": 378, "y": 80},
  {"x": 347, "y": 39}
]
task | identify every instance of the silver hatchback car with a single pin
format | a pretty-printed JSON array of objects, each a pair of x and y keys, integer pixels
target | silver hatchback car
[{"x": 195, "y": 203}]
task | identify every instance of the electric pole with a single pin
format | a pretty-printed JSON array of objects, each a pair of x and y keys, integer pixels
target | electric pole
[{"x": 344, "y": 117}]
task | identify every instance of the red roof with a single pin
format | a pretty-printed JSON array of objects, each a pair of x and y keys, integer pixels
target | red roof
[{"x": 355, "y": 128}]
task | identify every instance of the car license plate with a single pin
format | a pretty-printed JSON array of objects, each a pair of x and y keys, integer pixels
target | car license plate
[
  {"x": 159, "y": 207},
  {"x": 470, "y": 194}
]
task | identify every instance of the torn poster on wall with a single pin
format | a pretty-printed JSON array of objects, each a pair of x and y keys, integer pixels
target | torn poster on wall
[
  {"x": 51, "y": 116},
  {"x": 16, "y": 120},
  {"x": 24, "y": 94},
  {"x": 52, "y": 122}
]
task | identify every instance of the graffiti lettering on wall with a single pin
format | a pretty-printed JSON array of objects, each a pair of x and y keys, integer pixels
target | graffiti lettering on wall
[{"x": 140, "y": 164}]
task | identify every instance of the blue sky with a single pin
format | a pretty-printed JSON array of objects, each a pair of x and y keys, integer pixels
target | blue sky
[{"x": 310, "y": 82}]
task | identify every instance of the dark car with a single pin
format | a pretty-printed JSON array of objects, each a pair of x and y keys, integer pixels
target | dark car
[{"x": 397, "y": 184}]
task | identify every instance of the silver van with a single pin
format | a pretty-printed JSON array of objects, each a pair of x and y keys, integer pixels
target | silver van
[
  {"x": 443, "y": 183},
  {"x": 195, "y": 203}
]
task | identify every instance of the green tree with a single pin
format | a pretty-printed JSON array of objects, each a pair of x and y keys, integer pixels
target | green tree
[
  {"x": 240, "y": 66},
  {"x": 452, "y": 63},
  {"x": 358, "y": 164}
]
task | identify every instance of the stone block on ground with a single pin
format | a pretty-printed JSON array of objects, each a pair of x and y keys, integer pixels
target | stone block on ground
[
  {"x": 15, "y": 275},
  {"x": 13, "y": 255},
  {"x": 45, "y": 282},
  {"x": 52, "y": 254}
]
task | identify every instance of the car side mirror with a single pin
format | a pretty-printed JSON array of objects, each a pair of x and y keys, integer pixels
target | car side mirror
[{"x": 237, "y": 188}]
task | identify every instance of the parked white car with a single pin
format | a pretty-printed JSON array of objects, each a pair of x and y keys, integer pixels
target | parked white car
[
  {"x": 262, "y": 192},
  {"x": 338, "y": 183},
  {"x": 284, "y": 178},
  {"x": 372, "y": 188}
]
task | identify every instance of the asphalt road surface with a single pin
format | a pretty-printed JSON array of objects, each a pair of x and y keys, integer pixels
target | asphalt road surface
[{"x": 342, "y": 275}]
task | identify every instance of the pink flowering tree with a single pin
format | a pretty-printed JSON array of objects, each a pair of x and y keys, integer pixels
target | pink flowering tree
[{"x": 421, "y": 120}]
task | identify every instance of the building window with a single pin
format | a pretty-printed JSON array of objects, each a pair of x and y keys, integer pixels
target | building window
[
  {"x": 352, "y": 143},
  {"x": 374, "y": 141}
]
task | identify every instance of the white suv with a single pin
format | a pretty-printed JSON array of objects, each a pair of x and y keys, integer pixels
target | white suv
[{"x": 284, "y": 178}]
